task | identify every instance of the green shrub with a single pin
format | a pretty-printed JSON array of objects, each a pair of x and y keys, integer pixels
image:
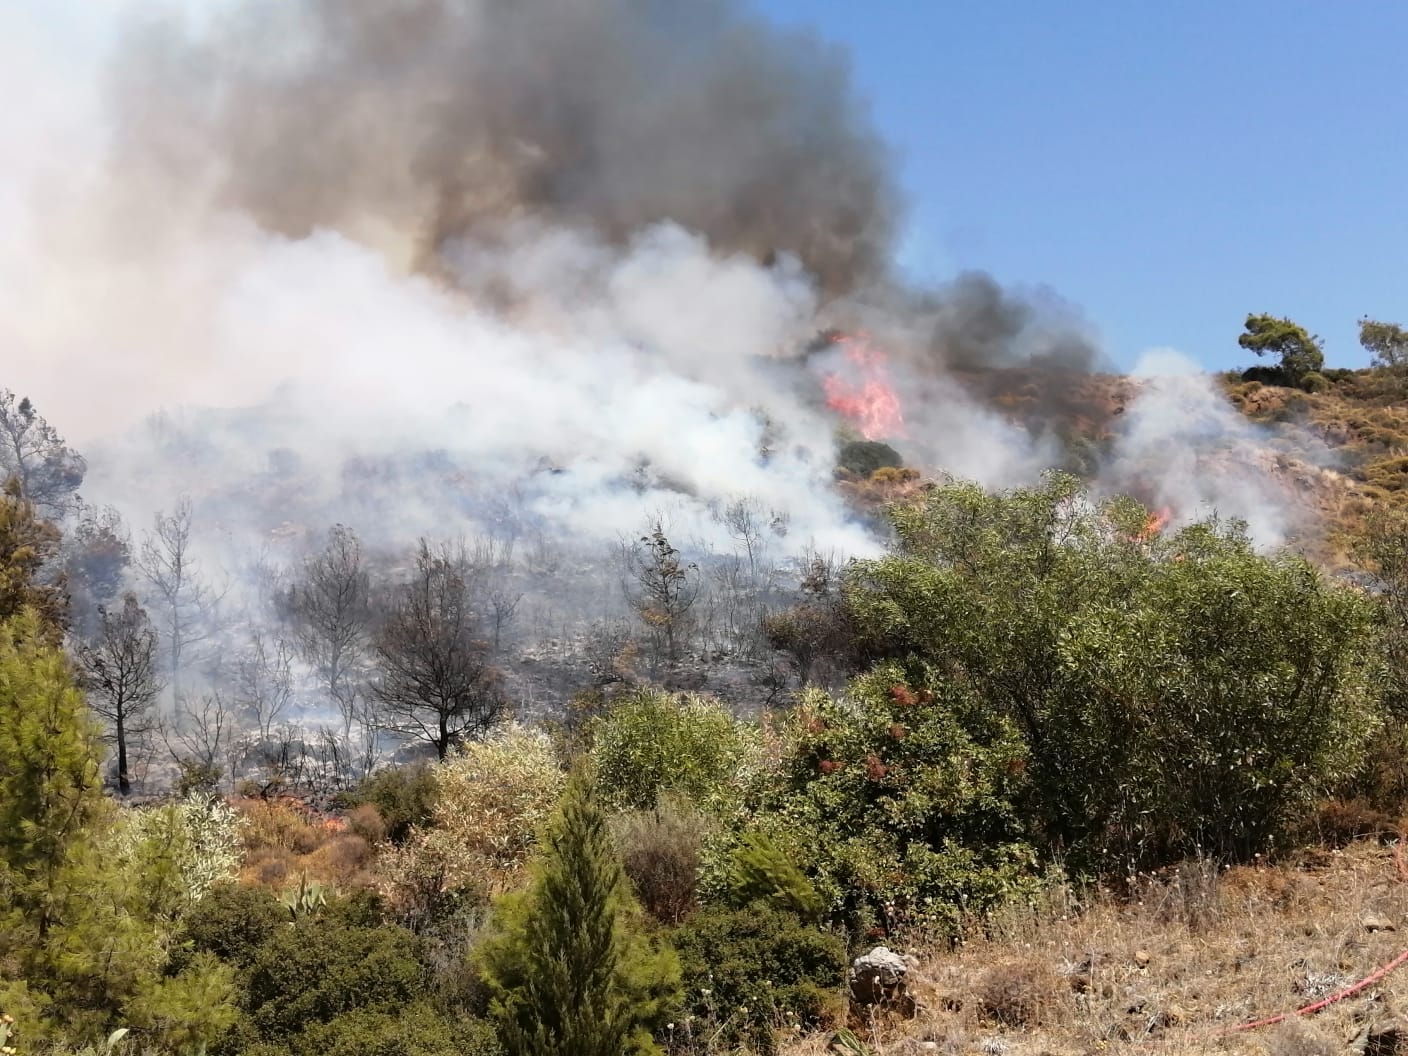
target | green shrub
[
  {"x": 404, "y": 796},
  {"x": 417, "y": 1030},
  {"x": 759, "y": 871},
  {"x": 864, "y": 457},
  {"x": 1165, "y": 694},
  {"x": 188, "y": 1011},
  {"x": 651, "y": 742},
  {"x": 748, "y": 971},
  {"x": 899, "y": 804},
  {"x": 184, "y": 848},
  {"x": 314, "y": 971},
  {"x": 492, "y": 798},
  {"x": 568, "y": 964},
  {"x": 1314, "y": 381},
  {"x": 355, "y": 909},
  {"x": 233, "y": 923}
]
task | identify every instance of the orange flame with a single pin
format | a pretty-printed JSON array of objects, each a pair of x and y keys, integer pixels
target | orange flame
[
  {"x": 1156, "y": 522},
  {"x": 866, "y": 397}
]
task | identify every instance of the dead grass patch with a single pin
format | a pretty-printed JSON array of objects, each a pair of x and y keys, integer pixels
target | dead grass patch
[{"x": 1192, "y": 953}]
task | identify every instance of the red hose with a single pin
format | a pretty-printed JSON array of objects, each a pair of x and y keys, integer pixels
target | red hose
[{"x": 1326, "y": 1002}]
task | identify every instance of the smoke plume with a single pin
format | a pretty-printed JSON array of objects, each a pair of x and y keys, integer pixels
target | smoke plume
[
  {"x": 418, "y": 124},
  {"x": 409, "y": 264}
]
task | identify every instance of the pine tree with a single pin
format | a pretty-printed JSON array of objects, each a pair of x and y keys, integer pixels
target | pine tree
[
  {"x": 27, "y": 544},
  {"x": 50, "y": 789},
  {"x": 80, "y": 946},
  {"x": 570, "y": 970}
]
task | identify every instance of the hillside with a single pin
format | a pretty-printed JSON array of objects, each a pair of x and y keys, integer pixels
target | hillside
[
  {"x": 1335, "y": 454},
  {"x": 1188, "y": 966},
  {"x": 1361, "y": 419}
]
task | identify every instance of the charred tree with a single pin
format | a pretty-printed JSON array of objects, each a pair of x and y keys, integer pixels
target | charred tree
[
  {"x": 169, "y": 567},
  {"x": 661, "y": 587},
  {"x": 437, "y": 682},
  {"x": 120, "y": 669},
  {"x": 330, "y": 609}
]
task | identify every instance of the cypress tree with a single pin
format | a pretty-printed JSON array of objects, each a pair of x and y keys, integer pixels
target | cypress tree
[{"x": 569, "y": 966}]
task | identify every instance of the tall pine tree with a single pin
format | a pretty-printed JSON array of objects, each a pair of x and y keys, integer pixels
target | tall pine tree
[{"x": 569, "y": 966}]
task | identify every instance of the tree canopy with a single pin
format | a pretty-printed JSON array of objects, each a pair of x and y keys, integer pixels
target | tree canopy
[
  {"x": 33, "y": 453},
  {"x": 1300, "y": 352},
  {"x": 1387, "y": 342}
]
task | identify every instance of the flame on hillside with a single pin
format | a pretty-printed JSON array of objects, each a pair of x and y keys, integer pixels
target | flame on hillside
[
  {"x": 1155, "y": 523},
  {"x": 861, "y": 391}
]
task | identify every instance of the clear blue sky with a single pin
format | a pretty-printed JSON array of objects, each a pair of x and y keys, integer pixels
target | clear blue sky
[{"x": 1166, "y": 167}]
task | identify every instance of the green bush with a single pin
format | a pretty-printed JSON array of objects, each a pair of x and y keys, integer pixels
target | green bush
[
  {"x": 1314, "y": 381},
  {"x": 233, "y": 923},
  {"x": 864, "y": 457},
  {"x": 570, "y": 969},
  {"x": 188, "y": 1011},
  {"x": 404, "y": 796},
  {"x": 652, "y": 742},
  {"x": 900, "y": 803},
  {"x": 314, "y": 971},
  {"x": 1167, "y": 695},
  {"x": 748, "y": 971},
  {"x": 417, "y": 1030},
  {"x": 759, "y": 871}
]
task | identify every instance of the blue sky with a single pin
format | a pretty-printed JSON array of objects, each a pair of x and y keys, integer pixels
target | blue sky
[{"x": 1165, "y": 167}]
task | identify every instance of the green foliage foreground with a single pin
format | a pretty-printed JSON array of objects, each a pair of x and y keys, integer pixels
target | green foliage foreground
[
  {"x": 88, "y": 907},
  {"x": 1171, "y": 695}
]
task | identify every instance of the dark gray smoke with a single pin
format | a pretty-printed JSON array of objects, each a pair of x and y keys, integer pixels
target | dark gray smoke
[
  {"x": 424, "y": 122},
  {"x": 973, "y": 322}
]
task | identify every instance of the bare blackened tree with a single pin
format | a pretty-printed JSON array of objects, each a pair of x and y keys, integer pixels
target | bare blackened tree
[
  {"x": 609, "y": 652},
  {"x": 329, "y": 605},
  {"x": 35, "y": 455},
  {"x": 437, "y": 681},
  {"x": 264, "y": 681},
  {"x": 200, "y": 738},
  {"x": 120, "y": 670},
  {"x": 661, "y": 587},
  {"x": 263, "y": 693},
  {"x": 169, "y": 567},
  {"x": 746, "y": 580},
  {"x": 503, "y": 602}
]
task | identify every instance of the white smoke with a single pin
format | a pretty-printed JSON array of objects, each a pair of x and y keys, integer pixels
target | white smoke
[
  {"x": 309, "y": 378},
  {"x": 1183, "y": 444}
]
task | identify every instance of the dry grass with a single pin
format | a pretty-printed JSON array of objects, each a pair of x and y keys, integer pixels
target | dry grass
[
  {"x": 284, "y": 840},
  {"x": 1197, "y": 951}
]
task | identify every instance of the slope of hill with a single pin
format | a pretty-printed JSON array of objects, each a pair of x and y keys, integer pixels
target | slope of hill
[
  {"x": 1361, "y": 417},
  {"x": 1190, "y": 965}
]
